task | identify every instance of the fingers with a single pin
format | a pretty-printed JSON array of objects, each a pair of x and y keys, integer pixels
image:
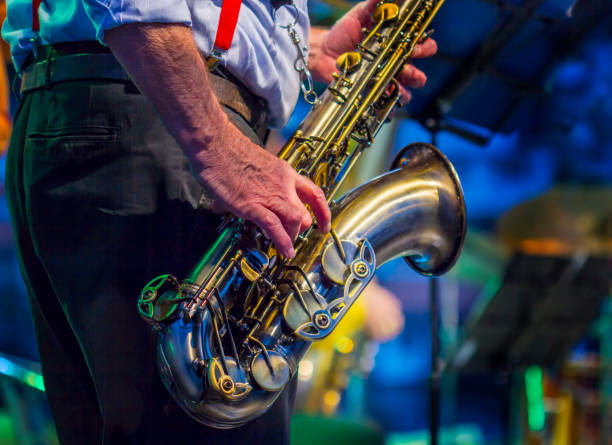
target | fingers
[
  {"x": 426, "y": 49},
  {"x": 406, "y": 95},
  {"x": 274, "y": 229},
  {"x": 411, "y": 77},
  {"x": 312, "y": 195},
  {"x": 291, "y": 217},
  {"x": 368, "y": 9},
  {"x": 292, "y": 214},
  {"x": 306, "y": 221},
  {"x": 298, "y": 219}
]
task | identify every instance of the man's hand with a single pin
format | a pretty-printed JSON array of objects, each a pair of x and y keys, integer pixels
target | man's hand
[
  {"x": 165, "y": 64},
  {"x": 327, "y": 45},
  {"x": 256, "y": 185}
]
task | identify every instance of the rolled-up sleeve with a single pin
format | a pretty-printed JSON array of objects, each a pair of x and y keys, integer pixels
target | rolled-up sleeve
[{"x": 108, "y": 14}]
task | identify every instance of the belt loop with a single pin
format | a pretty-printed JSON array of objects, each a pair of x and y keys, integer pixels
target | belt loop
[
  {"x": 48, "y": 82},
  {"x": 16, "y": 87}
]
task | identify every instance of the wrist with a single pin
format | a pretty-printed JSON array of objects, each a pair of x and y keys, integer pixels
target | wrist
[{"x": 214, "y": 147}]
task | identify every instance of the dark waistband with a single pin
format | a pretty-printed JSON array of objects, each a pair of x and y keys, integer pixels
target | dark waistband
[{"x": 63, "y": 62}]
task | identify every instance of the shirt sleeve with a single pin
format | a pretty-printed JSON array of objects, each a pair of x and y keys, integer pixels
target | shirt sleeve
[{"x": 108, "y": 14}]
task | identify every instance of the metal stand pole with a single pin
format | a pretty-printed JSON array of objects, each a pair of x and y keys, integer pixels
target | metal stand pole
[
  {"x": 434, "y": 380},
  {"x": 434, "y": 314},
  {"x": 605, "y": 360}
]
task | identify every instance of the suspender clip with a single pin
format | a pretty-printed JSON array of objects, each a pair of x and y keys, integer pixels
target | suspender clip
[
  {"x": 216, "y": 56},
  {"x": 35, "y": 42}
]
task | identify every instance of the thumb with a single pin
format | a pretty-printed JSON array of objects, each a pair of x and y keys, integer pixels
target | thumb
[{"x": 364, "y": 13}]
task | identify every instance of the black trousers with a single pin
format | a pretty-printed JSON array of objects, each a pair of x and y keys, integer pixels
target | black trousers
[{"x": 102, "y": 200}]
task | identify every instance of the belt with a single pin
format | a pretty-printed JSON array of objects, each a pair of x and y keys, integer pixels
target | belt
[{"x": 90, "y": 61}]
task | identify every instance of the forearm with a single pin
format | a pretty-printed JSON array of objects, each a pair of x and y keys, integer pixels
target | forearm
[{"x": 165, "y": 64}]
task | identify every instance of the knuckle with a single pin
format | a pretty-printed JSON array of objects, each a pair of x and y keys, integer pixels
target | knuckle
[
  {"x": 269, "y": 221},
  {"x": 285, "y": 167},
  {"x": 307, "y": 220},
  {"x": 294, "y": 217},
  {"x": 319, "y": 193},
  {"x": 250, "y": 211}
]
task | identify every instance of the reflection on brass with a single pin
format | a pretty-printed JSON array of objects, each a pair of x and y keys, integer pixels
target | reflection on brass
[
  {"x": 385, "y": 12},
  {"x": 249, "y": 314},
  {"x": 361, "y": 269},
  {"x": 334, "y": 257},
  {"x": 248, "y": 271},
  {"x": 349, "y": 62},
  {"x": 272, "y": 376},
  {"x": 224, "y": 385}
]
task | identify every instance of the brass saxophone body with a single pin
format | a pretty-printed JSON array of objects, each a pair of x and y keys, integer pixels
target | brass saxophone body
[{"x": 231, "y": 335}]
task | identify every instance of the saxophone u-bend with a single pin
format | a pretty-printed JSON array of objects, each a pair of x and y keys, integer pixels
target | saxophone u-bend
[{"x": 231, "y": 335}]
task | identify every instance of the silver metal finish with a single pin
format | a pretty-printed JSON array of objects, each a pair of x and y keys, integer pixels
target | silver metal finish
[{"x": 231, "y": 335}]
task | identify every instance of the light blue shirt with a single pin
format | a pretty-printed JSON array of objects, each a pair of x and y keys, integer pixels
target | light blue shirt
[{"x": 262, "y": 54}]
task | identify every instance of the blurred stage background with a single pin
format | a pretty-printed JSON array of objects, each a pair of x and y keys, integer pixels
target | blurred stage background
[{"x": 519, "y": 98}]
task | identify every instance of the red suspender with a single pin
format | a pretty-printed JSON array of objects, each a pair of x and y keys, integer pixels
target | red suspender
[
  {"x": 227, "y": 24},
  {"x": 35, "y": 21},
  {"x": 225, "y": 31}
]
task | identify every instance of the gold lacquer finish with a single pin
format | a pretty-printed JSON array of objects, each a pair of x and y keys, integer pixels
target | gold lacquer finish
[
  {"x": 349, "y": 62},
  {"x": 385, "y": 12},
  {"x": 234, "y": 331}
]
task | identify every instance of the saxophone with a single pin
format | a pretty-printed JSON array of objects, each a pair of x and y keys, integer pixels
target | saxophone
[{"x": 230, "y": 336}]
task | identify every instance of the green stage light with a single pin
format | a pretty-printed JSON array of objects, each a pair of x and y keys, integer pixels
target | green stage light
[{"x": 536, "y": 416}]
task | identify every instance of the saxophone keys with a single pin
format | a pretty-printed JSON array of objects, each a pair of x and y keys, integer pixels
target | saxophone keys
[
  {"x": 227, "y": 385},
  {"x": 230, "y": 387},
  {"x": 158, "y": 300},
  {"x": 426, "y": 35},
  {"x": 271, "y": 374},
  {"x": 360, "y": 269},
  {"x": 385, "y": 12},
  {"x": 253, "y": 264},
  {"x": 349, "y": 62},
  {"x": 336, "y": 260},
  {"x": 322, "y": 320}
]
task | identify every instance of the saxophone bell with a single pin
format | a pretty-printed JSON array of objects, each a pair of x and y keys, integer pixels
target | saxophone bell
[{"x": 443, "y": 251}]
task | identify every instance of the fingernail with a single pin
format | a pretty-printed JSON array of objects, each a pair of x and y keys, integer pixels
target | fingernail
[
  {"x": 417, "y": 51},
  {"x": 291, "y": 253}
]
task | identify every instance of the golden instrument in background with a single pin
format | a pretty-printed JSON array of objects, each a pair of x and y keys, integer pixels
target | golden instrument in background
[
  {"x": 347, "y": 354},
  {"x": 231, "y": 335}
]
